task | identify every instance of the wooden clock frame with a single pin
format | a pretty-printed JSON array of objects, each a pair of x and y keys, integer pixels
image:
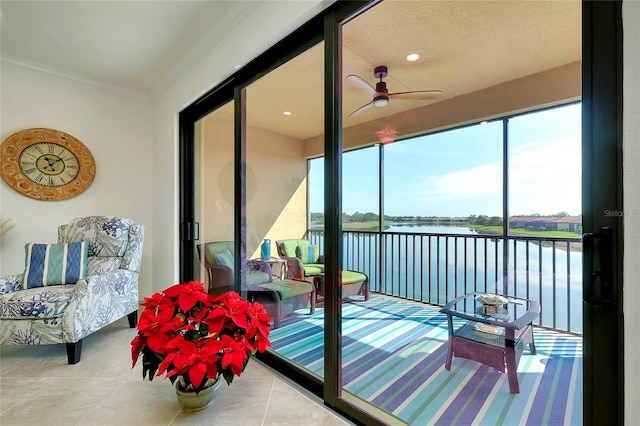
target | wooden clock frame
[{"x": 14, "y": 175}]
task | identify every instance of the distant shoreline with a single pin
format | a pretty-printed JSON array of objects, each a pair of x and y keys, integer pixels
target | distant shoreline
[
  {"x": 481, "y": 229},
  {"x": 574, "y": 246}
]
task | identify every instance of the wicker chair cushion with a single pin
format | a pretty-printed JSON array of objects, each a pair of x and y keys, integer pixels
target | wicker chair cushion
[{"x": 289, "y": 288}]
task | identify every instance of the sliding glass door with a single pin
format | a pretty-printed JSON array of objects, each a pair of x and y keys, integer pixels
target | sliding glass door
[
  {"x": 352, "y": 133},
  {"x": 214, "y": 199},
  {"x": 284, "y": 119}
]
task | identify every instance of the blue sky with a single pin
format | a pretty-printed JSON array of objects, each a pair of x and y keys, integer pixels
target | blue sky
[{"x": 459, "y": 172}]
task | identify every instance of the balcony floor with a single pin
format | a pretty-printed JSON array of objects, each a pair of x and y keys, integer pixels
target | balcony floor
[{"x": 393, "y": 357}]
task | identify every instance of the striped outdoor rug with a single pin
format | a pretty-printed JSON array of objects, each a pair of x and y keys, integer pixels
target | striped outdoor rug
[{"x": 393, "y": 357}]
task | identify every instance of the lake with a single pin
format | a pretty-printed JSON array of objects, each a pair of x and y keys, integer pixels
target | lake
[{"x": 436, "y": 268}]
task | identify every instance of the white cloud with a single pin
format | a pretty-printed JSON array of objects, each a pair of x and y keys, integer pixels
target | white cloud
[{"x": 544, "y": 178}]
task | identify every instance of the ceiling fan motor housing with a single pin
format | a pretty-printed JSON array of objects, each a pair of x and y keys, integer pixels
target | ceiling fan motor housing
[
  {"x": 380, "y": 72},
  {"x": 381, "y": 87}
]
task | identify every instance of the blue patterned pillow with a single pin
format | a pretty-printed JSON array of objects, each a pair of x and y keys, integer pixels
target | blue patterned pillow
[
  {"x": 54, "y": 264},
  {"x": 308, "y": 253},
  {"x": 224, "y": 258}
]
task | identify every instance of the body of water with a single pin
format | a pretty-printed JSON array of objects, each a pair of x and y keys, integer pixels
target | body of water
[{"x": 419, "y": 262}]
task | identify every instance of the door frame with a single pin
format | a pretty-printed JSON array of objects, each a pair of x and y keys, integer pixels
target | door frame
[{"x": 603, "y": 321}]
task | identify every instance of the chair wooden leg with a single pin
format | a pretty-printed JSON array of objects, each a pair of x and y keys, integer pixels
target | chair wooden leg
[
  {"x": 447, "y": 362},
  {"x": 512, "y": 367},
  {"x": 73, "y": 352},
  {"x": 313, "y": 300},
  {"x": 133, "y": 319}
]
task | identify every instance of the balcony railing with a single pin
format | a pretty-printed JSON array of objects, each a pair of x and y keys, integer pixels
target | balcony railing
[{"x": 435, "y": 268}]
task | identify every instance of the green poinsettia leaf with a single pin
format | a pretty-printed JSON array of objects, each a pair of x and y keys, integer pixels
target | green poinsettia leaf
[{"x": 228, "y": 375}]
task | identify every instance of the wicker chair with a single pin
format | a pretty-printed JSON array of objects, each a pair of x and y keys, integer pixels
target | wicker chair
[
  {"x": 279, "y": 297},
  {"x": 304, "y": 262},
  {"x": 289, "y": 250}
]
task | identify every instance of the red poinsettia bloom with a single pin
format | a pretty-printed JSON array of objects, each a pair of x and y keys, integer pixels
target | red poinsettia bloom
[
  {"x": 237, "y": 310},
  {"x": 260, "y": 319},
  {"x": 185, "y": 332},
  {"x": 234, "y": 354},
  {"x": 188, "y": 294}
]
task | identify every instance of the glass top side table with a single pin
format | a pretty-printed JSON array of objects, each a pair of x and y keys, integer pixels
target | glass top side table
[{"x": 494, "y": 334}]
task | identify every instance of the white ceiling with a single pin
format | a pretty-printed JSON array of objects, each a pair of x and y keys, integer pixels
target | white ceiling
[
  {"x": 134, "y": 45},
  {"x": 465, "y": 47}
]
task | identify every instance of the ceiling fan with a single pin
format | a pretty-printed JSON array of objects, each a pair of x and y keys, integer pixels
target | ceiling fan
[{"x": 381, "y": 95}]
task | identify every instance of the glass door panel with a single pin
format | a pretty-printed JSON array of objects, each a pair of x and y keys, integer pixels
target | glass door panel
[
  {"x": 443, "y": 161},
  {"x": 284, "y": 128},
  {"x": 214, "y": 198}
]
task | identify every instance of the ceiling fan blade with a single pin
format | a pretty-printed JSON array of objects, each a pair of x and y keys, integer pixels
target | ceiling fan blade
[
  {"x": 360, "y": 83},
  {"x": 417, "y": 95},
  {"x": 362, "y": 109}
]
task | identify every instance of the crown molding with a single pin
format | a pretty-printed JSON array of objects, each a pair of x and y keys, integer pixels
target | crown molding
[
  {"x": 58, "y": 74},
  {"x": 212, "y": 38}
]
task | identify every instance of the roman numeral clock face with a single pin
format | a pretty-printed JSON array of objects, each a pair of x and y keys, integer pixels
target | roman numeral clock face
[{"x": 46, "y": 164}]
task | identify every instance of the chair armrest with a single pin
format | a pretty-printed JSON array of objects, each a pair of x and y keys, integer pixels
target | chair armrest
[
  {"x": 220, "y": 276},
  {"x": 10, "y": 284},
  {"x": 99, "y": 300},
  {"x": 294, "y": 268},
  {"x": 259, "y": 265}
]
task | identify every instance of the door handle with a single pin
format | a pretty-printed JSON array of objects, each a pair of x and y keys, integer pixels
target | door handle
[{"x": 603, "y": 272}]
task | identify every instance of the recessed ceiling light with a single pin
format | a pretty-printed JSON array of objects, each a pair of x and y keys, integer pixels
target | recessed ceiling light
[
  {"x": 413, "y": 57},
  {"x": 287, "y": 113}
]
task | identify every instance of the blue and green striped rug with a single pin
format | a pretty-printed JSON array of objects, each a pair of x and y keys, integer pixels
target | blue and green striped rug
[{"x": 393, "y": 357}]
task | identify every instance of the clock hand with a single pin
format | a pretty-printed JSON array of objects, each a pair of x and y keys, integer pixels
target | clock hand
[{"x": 51, "y": 163}]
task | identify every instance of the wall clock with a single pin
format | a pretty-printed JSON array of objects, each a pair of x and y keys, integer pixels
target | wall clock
[{"x": 46, "y": 164}]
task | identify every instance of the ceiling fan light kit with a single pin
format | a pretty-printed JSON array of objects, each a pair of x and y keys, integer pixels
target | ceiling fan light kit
[{"x": 381, "y": 101}]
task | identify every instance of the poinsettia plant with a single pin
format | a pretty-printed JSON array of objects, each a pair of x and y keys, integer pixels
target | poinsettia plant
[{"x": 185, "y": 332}]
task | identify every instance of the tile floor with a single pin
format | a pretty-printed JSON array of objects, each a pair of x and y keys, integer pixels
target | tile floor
[{"x": 37, "y": 387}]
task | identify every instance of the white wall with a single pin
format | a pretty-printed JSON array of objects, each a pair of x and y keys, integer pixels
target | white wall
[
  {"x": 116, "y": 127},
  {"x": 631, "y": 188}
]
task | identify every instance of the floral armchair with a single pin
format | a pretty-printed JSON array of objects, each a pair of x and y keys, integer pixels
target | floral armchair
[{"x": 76, "y": 287}]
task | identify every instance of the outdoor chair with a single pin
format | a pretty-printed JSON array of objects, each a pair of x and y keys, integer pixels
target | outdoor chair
[
  {"x": 305, "y": 262},
  {"x": 217, "y": 258},
  {"x": 279, "y": 297}
]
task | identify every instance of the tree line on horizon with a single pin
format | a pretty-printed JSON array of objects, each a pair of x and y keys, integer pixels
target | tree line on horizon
[{"x": 474, "y": 219}]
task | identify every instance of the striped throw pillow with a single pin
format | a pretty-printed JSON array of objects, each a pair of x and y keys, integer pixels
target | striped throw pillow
[
  {"x": 224, "y": 258},
  {"x": 54, "y": 264},
  {"x": 308, "y": 253}
]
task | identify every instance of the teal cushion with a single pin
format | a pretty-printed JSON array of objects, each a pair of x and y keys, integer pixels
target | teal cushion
[
  {"x": 54, "y": 264},
  {"x": 224, "y": 258}
]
